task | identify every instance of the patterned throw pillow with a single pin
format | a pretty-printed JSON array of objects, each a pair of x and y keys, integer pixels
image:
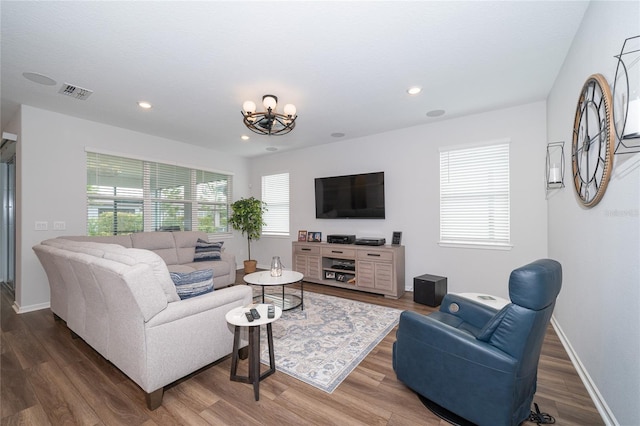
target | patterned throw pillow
[
  {"x": 207, "y": 251},
  {"x": 194, "y": 283}
]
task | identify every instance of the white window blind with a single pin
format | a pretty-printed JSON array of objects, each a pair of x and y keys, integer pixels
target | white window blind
[
  {"x": 474, "y": 195},
  {"x": 127, "y": 195},
  {"x": 275, "y": 193}
]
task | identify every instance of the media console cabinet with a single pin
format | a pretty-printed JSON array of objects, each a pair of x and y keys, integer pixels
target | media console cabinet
[{"x": 374, "y": 269}]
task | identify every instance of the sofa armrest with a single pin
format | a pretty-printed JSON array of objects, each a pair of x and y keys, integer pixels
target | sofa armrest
[
  {"x": 233, "y": 266},
  {"x": 205, "y": 302},
  {"x": 469, "y": 311},
  {"x": 228, "y": 257}
]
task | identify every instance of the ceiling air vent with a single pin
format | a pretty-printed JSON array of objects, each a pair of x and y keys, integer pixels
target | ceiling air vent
[{"x": 75, "y": 91}]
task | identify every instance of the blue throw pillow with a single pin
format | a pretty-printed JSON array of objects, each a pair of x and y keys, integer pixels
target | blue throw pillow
[
  {"x": 194, "y": 283},
  {"x": 207, "y": 251}
]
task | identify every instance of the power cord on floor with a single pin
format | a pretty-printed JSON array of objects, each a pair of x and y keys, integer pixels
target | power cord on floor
[{"x": 541, "y": 418}]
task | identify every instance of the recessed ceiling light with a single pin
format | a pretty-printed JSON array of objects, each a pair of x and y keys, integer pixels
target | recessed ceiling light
[
  {"x": 414, "y": 90},
  {"x": 144, "y": 105},
  {"x": 36, "y": 77},
  {"x": 272, "y": 148},
  {"x": 244, "y": 137},
  {"x": 436, "y": 113},
  {"x": 337, "y": 135}
]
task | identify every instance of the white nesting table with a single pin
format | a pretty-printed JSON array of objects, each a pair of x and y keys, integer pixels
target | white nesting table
[
  {"x": 287, "y": 301},
  {"x": 237, "y": 318}
]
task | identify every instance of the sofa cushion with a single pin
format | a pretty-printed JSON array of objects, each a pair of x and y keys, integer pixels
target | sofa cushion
[
  {"x": 134, "y": 256},
  {"x": 220, "y": 267},
  {"x": 185, "y": 242},
  {"x": 194, "y": 283},
  {"x": 161, "y": 243},
  {"x": 207, "y": 251},
  {"x": 80, "y": 246},
  {"x": 122, "y": 240}
]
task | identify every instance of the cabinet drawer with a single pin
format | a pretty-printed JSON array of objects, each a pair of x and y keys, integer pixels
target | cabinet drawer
[
  {"x": 307, "y": 249},
  {"x": 375, "y": 255},
  {"x": 338, "y": 252}
]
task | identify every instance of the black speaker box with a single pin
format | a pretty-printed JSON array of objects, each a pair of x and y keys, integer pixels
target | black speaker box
[{"x": 429, "y": 289}]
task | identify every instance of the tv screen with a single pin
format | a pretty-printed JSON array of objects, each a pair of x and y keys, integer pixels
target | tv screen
[{"x": 350, "y": 197}]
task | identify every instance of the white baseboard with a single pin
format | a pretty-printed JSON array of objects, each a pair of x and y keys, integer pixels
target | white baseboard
[
  {"x": 601, "y": 405},
  {"x": 23, "y": 309}
]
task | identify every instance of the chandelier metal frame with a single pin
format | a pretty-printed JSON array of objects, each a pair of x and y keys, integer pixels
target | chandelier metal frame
[{"x": 269, "y": 122}]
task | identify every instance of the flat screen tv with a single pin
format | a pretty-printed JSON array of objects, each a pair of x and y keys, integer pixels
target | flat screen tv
[{"x": 350, "y": 197}]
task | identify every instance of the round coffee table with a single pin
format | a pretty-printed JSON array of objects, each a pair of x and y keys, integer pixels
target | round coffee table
[
  {"x": 285, "y": 301},
  {"x": 237, "y": 318}
]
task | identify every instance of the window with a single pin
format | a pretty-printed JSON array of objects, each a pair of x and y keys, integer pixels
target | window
[
  {"x": 275, "y": 193},
  {"x": 127, "y": 195},
  {"x": 474, "y": 195}
]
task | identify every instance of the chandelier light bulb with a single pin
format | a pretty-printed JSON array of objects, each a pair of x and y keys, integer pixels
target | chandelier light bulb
[
  {"x": 290, "y": 110},
  {"x": 269, "y": 101},
  {"x": 249, "y": 107}
]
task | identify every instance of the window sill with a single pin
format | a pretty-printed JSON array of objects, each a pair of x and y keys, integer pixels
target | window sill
[
  {"x": 480, "y": 246},
  {"x": 221, "y": 236},
  {"x": 287, "y": 236}
]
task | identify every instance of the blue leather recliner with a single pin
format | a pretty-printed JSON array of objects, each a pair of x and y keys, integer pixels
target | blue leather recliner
[{"x": 476, "y": 362}]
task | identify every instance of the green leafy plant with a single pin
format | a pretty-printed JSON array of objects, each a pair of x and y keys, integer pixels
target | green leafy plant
[{"x": 247, "y": 217}]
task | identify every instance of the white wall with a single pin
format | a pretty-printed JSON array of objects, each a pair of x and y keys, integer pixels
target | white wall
[
  {"x": 410, "y": 160},
  {"x": 599, "y": 308},
  {"x": 51, "y": 180}
]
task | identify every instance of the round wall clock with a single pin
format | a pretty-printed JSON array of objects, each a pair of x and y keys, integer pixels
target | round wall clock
[{"x": 593, "y": 141}]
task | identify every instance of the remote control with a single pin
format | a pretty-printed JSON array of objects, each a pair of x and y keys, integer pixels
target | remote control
[
  {"x": 271, "y": 311},
  {"x": 249, "y": 316},
  {"x": 255, "y": 313}
]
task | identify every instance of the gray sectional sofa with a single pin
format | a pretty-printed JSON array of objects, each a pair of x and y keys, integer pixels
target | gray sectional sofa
[
  {"x": 121, "y": 300},
  {"x": 177, "y": 249}
]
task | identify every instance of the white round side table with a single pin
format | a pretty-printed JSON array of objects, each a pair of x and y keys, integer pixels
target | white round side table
[{"x": 238, "y": 319}]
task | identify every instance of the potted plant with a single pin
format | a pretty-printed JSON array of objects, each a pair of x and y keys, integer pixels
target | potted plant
[{"x": 247, "y": 218}]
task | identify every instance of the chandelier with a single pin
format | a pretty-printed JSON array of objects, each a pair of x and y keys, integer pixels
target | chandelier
[{"x": 269, "y": 122}]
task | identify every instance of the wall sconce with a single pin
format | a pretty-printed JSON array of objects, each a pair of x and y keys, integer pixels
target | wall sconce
[
  {"x": 626, "y": 97},
  {"x": 554, "y": 175}
]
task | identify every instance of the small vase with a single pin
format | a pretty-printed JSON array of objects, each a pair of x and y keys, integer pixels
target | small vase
[{"x": 276, "y": 267}]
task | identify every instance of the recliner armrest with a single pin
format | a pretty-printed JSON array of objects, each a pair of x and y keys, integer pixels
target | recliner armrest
[
  {"x": 469, "y": 311},
  {"x": 447, "y": 339}
]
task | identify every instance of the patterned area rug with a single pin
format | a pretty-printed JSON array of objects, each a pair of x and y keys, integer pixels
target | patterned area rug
[{"x": 324, "y": 343}]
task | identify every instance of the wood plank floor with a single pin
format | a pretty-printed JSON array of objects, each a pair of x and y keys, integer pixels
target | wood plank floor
[{"x": 48, "y": 378}]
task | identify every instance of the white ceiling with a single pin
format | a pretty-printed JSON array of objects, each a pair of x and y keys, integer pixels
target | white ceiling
[{"x": 345, "y": 65}]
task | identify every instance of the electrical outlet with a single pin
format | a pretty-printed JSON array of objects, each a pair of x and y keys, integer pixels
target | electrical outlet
[
  {"x": 59, "y": 226},
  {"x": 41, "y": 226}
]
